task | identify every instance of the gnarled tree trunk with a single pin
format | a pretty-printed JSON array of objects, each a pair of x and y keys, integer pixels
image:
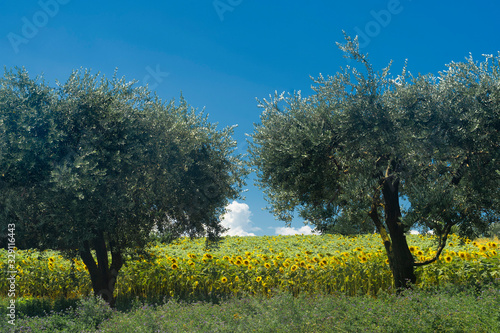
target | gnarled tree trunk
[
  {"x": 401, "y": 260},
  {"x": 102, "y": 275}
]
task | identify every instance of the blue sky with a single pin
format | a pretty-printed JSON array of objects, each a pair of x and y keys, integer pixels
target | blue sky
[{"x": 224, "y": 54}]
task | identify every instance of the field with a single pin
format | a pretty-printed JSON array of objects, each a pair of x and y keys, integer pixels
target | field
[{"x": 265, "y": 268}]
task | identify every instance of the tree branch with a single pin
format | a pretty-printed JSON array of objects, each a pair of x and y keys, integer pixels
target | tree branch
[{"x": 441, "y": 246}]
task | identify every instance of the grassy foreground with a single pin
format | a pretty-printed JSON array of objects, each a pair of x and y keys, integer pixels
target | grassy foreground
[{"x": 448, "y": 309}]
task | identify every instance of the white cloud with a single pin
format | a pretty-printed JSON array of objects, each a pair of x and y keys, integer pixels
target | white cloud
[
  {"x": 306, "y": 230},
  {"x": 237, "y": 219},
  {"x": 414, "y": 232}
]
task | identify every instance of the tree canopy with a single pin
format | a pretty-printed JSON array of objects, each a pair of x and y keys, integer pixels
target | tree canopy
[
  {"x": 366, "y": 140},
  {"x": 95, "y": 164}
]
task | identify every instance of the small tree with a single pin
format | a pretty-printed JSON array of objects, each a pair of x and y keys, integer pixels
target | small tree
[
  {"x": 365, "y": 140},
  {"x": 94, "y": 165}
]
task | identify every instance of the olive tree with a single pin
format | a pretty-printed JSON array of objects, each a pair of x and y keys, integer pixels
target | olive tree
[
  {"x": 95, "y": 164},
  {"x": 365, "y": 141}
]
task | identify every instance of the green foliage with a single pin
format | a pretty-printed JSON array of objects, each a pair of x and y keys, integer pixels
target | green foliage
[
  {"x": 92, "y": 311},
  {"x": 101, "y": 156},
  {"x": 414, "y": 311},
  {"x": 436, "y": 137}
]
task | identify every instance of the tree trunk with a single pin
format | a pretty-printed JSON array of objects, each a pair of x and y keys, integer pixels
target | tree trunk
[
  {"x": 400, "y": 258},
  {"x": 102, "y": 275}
]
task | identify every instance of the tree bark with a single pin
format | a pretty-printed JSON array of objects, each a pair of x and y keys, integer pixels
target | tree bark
[
  {"x": 102, "y": 275},
  {"x": 400, "y": 258},
  {"x": 401, "y": 261}
]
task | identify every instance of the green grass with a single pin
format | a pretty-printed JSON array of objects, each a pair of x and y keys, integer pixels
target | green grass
[{"x": 449, "y": 309}]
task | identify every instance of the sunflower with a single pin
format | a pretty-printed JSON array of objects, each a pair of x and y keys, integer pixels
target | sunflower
[
  {"x": 223, "y": 279},
  {"x": 236, "y": 279},
  {"x": 293, "y": 268},
  {"x": 462, "y": 255},
  {"x": 267, "y": 265},
  {"x": 237, "y": 262},
  {"x": 208, "y": 256},
  {"x": 258, "y": 279},
  {"x": 448, "y": 258},
  {"x": 493, "y": 245},
  {"x": 174, "y": 266},
  {"x": 483, "y": 248},
  {"x": 246, "y": 262},
  {"x": 363, "y": 259}
]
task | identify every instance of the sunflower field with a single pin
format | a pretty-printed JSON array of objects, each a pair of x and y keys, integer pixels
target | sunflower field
[{"x": 258, "y": 265}]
